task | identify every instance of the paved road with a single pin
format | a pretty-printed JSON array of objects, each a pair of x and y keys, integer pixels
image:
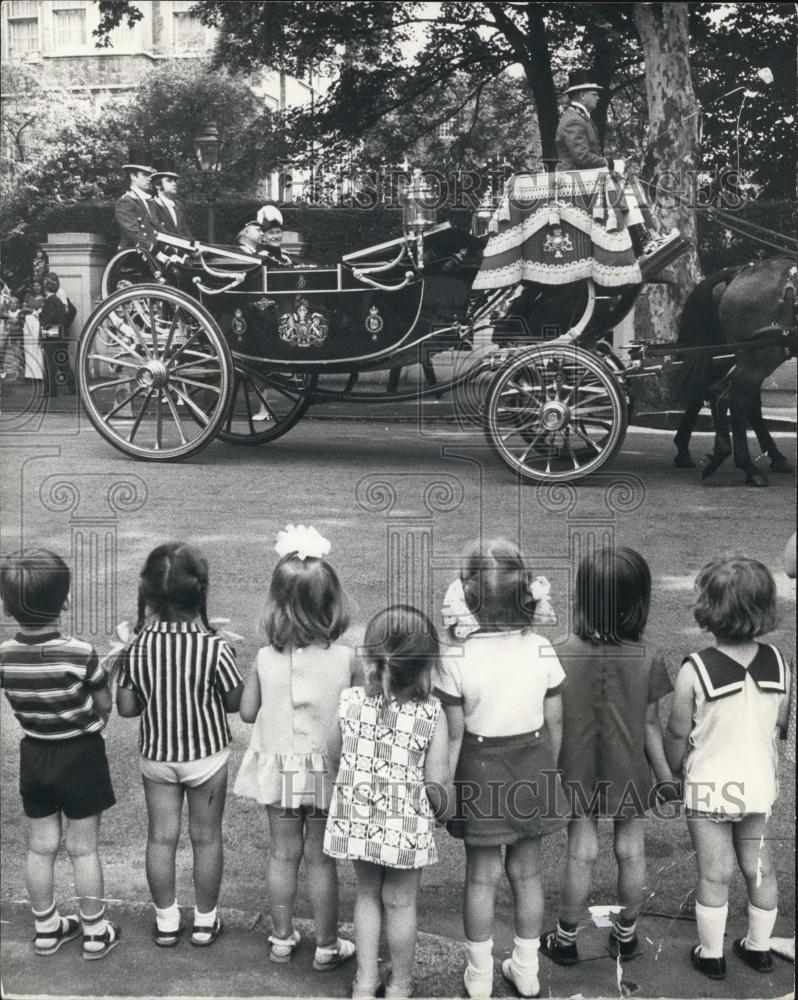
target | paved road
[{"x": 391, "y": 497}]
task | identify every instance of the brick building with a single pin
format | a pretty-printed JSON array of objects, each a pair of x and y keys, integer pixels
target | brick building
[{"x": 54, "y": 37}]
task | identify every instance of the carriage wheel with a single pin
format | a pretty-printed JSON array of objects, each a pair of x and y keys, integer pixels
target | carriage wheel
[
  {"x": 156, "y": 373},
  {"x": 265, "y": 405},
  {"x": 126, "y": 268},
  {"x": 555, "y": 414}
]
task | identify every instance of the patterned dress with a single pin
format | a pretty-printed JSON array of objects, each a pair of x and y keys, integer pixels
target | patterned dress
[{"x": 380, "y": 811}]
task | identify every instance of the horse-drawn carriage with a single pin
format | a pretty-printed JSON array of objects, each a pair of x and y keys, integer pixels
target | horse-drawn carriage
[{"x": 194, "y": 342}]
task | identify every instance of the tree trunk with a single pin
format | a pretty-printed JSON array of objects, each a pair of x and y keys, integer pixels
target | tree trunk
[
  {"x": 672, "y": 157},
  {"x": 538, "y": 71}
]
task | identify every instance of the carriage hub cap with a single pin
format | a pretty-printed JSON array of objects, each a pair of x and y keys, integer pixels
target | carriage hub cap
[
  {"x": 554, "y": 415},
  {"x": 152, "y": 375}
]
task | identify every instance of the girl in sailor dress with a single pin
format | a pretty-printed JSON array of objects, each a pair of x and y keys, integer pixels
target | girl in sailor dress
[
  {"x": 291, "y": 695},
  {"x": 731, "y": 701}
]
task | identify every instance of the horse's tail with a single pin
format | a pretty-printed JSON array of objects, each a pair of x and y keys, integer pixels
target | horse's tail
[{"x": 699, "y": 326}]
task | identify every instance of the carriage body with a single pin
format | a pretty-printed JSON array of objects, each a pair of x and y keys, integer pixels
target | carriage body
[{"x": 193, "y": 342}]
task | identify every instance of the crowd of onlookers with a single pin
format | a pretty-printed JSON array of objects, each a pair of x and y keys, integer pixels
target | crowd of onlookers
[{"x": 35, "y": 319}]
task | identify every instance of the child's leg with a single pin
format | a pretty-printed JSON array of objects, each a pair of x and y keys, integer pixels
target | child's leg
[
  {"x": 45, "y": 839},
  {"x": 753, "y": 857},
  {"x": 286, "y": 844},
  {"x": 630, "y": 853},
  {"x": 164, "y": 806},
  {"x": 99, "y": 935},
  {"x": 368, "y": 923},
  {"x": 399, "y": 894},
  {"x": 713, "y": 846},
  {"x": 483, "y": 874},
  {"x": 582, "y": 854},
  {"x": 523, "y": 870},
  {"x": 322, "y": 875},
  {"x": 81, "y": 844},
  {"x": 205, "y": 811}
]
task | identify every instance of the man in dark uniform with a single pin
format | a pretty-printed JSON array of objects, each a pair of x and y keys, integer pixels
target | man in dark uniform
[
  {"x": 579, "y": 148},
  {"x": 170, "y": 211},
  {"x": 135, "y": 212},
  {"x": 271, "y": 222}
]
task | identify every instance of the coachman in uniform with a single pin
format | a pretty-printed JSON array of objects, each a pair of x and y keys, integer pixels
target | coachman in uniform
[
  {"x": 170, "y": 211},
  {"x": 135, "y": 212},
  {"x": 579, "y": 148}
]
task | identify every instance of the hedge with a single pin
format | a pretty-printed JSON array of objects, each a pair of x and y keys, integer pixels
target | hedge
[{"x": 332, "y": 232}]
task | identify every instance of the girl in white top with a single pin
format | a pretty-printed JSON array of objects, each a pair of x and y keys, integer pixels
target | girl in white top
[
  {"x": 500, "y": 692},
  {"x": 730, "y": 701},
  {"x": 291, "y": 695}
]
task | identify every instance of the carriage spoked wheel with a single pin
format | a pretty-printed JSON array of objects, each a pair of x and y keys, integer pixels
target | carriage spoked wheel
[
  {"x": 555, "y": 414},
  {"x": 265, "y": 404},
  {"x": 126, "y": 268},
  {"x": 156, "y": 374}
]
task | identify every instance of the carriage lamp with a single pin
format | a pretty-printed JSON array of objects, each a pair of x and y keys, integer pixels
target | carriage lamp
[
  {"x": 419, "y": 204},
  {"x": 208, "y": 148}
]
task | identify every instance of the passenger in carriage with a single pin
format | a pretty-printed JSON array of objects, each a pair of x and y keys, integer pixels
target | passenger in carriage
[
  {"x": 271, "y": 221},
  {"x": 579, "y": 148},
  {"x": 135, "y": 212},
  {"x": 170, "y": 211}
]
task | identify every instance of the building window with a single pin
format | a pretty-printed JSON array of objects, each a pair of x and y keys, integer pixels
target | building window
[
  {"x": 446, "y": 130},
  {"x": 190, "y": 32},
  {"x": 23, "y": 27},
  {"x": 69, "y": 28}
]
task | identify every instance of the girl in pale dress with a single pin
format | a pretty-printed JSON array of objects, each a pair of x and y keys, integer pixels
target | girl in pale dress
[
  {"x": 731, "y": 701},
  {"x": 291, "y": 695},
  {"x": 31, "y": 333}
]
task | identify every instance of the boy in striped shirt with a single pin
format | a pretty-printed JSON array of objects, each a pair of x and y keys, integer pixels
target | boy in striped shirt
[{"x": 59, "y": 694}]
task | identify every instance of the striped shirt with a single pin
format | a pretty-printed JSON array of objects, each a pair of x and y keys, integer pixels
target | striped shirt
[
  {"x": 179, "y": 672},
  {"x": 48, "y": 679}
]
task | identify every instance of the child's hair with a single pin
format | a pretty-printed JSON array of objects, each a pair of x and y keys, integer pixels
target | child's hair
[
  {"x": 34, "y": 585},
  {"x": 174, "y": 579},
  {"x": 307, "y": 604},
  {"x": 496, "y": 585},
  {"x": 613, "y": 594},
  {"x": 736, "y": 598},
  {"x": 401, "y": 647},
  {"x": 51, "y": 283}
]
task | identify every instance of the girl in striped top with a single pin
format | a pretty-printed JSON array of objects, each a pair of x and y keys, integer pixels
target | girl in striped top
[{"x": 182, "y": 679}]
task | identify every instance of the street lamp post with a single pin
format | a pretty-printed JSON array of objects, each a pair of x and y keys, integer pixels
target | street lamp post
[{"x": 208, "y": 148}]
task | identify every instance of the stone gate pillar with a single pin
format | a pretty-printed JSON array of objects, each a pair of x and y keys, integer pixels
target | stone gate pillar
[{"x": 79, "y": 260}]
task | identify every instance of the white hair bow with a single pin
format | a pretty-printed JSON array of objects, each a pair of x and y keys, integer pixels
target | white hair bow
[{"x": 303, "y": 540}]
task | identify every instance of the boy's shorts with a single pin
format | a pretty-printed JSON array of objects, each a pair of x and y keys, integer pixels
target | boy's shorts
[{"x": 69, "y": 776}]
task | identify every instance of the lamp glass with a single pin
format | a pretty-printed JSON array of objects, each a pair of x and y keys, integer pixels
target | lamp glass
[{"x": 207, "y": 148}]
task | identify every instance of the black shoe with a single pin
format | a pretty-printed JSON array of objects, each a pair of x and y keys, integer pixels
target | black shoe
[
  {"x": 760, "y": 961},
  {"x": 625, "y": 950},
  {"x": 713, "y": 968},
  {"x": 562, "y": 954}
]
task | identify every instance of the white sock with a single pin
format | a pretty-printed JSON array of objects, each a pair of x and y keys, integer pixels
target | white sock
[
  {"x": 47, "y": 921},
  {"x": 525, "y": 957},
  {"x": 480, "y": 956},
  {"x": 168, "y": 918},
  {"x": 96, "y": 926},
  {"x": 711, "y": 922},
  {"x": 204, "y": 920},
  {"x": 760, "y": 927}
]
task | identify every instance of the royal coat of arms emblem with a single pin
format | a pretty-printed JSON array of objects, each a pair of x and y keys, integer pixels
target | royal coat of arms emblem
[
  {"x": 558, "y": 243},
  {"x": 302, "y": 328}
]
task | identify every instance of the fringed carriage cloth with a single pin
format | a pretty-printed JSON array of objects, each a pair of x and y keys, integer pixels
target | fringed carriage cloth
[{"x": 557, "y": 228}]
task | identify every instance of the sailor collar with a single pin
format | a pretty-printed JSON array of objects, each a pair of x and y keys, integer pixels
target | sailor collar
[{"x": 721, "y": 676}]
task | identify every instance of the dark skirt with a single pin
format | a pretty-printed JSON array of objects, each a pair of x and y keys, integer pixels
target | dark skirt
[{"x": 507, "y": 789}]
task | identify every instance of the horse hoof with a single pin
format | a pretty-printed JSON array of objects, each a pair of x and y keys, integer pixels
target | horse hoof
[
  {"x": 756, "y": 479},
  {"x": 780, "y": 465},
  {"x": 684, "y": 462},
  {"x": 714, "y": 462}
]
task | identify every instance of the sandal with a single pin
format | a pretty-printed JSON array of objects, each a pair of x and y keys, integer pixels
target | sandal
[
  {"x": 68, "y": 930},
  {"x": 212, "y": 930},
  {"x": 333, "y": 956},
  {"x": 168, "y": 939},
  {"x": 282, "y": 949},
  {"x": 110, "y": 938}
]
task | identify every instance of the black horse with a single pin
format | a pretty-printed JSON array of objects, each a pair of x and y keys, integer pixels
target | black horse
[{"x": 728, "y": 307}]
